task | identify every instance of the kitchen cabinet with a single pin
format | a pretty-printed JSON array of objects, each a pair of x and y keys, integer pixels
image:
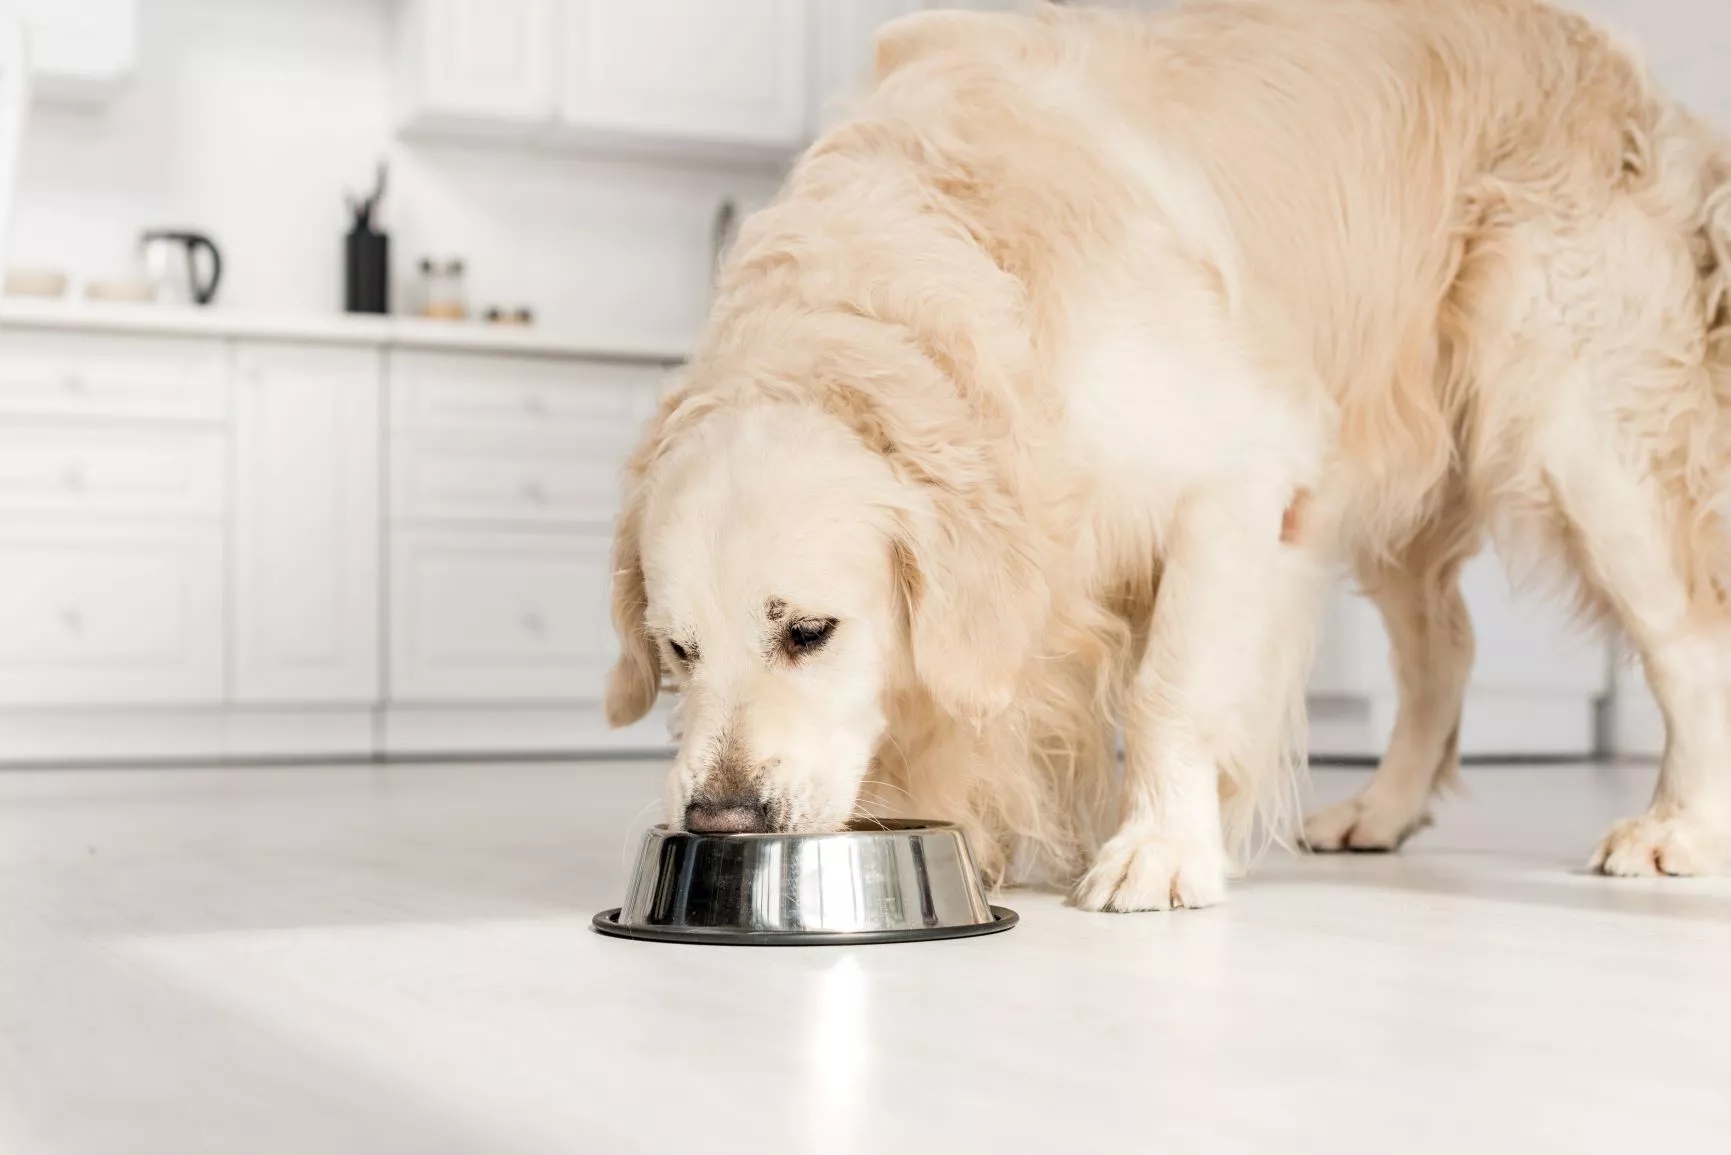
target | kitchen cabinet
[
  {"x": 542, "y": 403},
  {"x": 93, "y": 612},
  {"x": 14, "y": 99},
  {"x": 307, "y": 551},
  {"x": 498, "y": 484},
  {"x": 81, "y": 51},
  {"x": 687, "y": 70},
  {"x": 1536, "y": 690},
  {"x": 113, "y": 497},
  {"x": 499, "y": 617},
  {"x": 103, "y": 378},
  {"x": 478, "y": 64},
  {"x": 504, "y": 486},
  {"x": 227, "y": 539},
  {"x": 738, "y": 80},
  {"x": 129, "y": 471}
]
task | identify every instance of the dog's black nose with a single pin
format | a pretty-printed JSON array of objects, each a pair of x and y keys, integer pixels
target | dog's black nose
[{"x": 739, "y": 815}]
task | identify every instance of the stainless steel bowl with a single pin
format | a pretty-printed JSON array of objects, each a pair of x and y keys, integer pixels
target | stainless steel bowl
[{"x": 874, "y": 882}]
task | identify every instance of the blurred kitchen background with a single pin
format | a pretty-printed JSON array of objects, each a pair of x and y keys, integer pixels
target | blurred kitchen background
[{"x": 328, "y": 324}]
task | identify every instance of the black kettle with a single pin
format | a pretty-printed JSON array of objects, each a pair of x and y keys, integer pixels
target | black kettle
[{"x": 172, "y": 262}]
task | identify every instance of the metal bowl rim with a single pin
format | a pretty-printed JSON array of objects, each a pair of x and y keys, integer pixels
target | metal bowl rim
[
  {"x": 890, "y": 826},
  {"x": 607, "y": 923}
]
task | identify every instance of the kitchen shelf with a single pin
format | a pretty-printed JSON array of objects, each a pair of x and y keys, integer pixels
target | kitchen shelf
[{"x": 340, "y": 329}]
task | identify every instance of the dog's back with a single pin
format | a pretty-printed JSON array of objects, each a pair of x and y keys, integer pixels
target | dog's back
[{"x": 1349, "y": 172}]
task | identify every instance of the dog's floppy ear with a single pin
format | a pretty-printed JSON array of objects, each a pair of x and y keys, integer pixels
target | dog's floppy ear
[
  {"x": 976, "y": 598},
  {"x": 968, "y": 558},
  {"x": 635, "y": 681},
  {"x": 636, "y": 677}
]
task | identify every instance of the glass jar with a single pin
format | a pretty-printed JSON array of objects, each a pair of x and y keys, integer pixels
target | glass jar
[{"x": 443, "y": 294}]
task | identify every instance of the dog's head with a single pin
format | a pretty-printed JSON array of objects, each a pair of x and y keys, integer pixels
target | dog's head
[{"x": 788, "y": 575}]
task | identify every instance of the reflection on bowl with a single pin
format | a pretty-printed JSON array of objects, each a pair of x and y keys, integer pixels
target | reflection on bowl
[{"x": 890, "y": 881}]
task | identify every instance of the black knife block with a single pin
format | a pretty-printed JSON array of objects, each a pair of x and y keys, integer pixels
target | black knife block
[{"x": 368, "y": 267}]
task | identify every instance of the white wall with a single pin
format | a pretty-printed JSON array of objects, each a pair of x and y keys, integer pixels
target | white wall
[
  {"x": 1686, "y": 42},
  {"x": 249, "y": 119}
]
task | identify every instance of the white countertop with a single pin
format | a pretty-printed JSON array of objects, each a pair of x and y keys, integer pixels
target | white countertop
[{"x": 344, "y": 329}]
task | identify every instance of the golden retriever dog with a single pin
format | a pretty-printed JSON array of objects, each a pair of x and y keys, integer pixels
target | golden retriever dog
[{"x": 1059, "y": 382}]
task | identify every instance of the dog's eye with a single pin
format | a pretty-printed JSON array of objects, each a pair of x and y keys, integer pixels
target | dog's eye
[
  {"x": 685, "y": 656},
  {"x": 809, "y": 634}
]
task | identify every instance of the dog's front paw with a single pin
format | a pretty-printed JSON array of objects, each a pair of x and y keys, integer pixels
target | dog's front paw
[
  {"x": 1659, "y": 843},
  {"x": 1366, "y": 822},
  {"x": 1143, "y": 868}
]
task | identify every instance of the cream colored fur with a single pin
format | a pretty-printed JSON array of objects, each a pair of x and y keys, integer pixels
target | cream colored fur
[{"x": 1064, "y": 375}]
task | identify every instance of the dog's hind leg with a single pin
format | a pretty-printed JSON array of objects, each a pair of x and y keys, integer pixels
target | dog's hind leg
[
  {"x": 1431, "y": 636},
  {"x": 1647, "y": 542}
]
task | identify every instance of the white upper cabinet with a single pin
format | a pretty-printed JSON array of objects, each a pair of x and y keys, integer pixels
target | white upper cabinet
[
  {"x": 478, "y": 64},
  {"x": 81, "y": 51},
  {"x": 844, "y": 43},
  {"x": 687, "y": 70},
  {"x": 719, "y": 78},
  {"x": 14, "y": 93}
]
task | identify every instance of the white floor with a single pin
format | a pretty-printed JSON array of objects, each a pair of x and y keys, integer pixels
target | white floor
[{"x": 381, "y": 960}]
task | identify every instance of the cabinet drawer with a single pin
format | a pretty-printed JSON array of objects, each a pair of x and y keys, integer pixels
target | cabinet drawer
[
  {"x": 56, "y": 470},
  {"x": 521, "y": 397},
  {"x": 103, "y": 376},
  {"x": 99, "y": 615},
  {"x": 448, "y": 482},
  {"x": 482, "y": 617}
]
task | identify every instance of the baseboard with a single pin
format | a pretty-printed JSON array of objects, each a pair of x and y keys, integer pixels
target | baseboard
[
  {"x": 1356, "y": 728},
  {"x": 124, "y": 736},
  {"x": 1351, "y": 728},
  {"x": 445, "y": 731},
  {"x": 115, "y": 736}
]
